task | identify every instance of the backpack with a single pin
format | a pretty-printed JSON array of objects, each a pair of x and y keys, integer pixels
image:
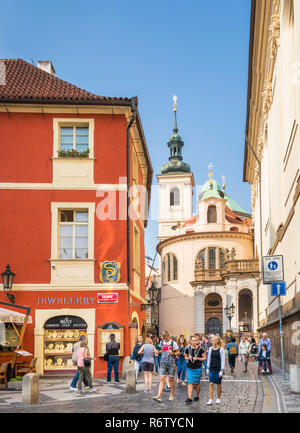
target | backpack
[
  {"x": 233, "y": 350},
  {"x": 136, "y": 356}
]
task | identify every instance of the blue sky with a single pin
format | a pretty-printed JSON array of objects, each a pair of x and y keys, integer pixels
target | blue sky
[{"x": 196, "y": 49}]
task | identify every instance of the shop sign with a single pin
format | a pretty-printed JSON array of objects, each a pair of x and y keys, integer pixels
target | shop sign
[
  {"x": 65, "y": 322},
  {"x": 107, "y": 298},
  {"x": 100, "y": 298}
]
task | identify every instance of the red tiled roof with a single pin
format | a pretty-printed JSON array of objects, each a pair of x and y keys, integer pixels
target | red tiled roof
[
  {"x": 191, "y": 221},
  {"x": 25, "y": 83}
]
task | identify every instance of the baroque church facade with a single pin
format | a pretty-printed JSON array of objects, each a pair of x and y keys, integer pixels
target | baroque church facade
[{"x": 206, "y": 260}]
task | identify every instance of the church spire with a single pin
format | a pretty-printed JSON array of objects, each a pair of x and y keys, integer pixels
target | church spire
[{"x": 175, "y": 144}]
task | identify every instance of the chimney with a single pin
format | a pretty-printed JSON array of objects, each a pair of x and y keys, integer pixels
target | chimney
[{"x": 46, "y": 65}]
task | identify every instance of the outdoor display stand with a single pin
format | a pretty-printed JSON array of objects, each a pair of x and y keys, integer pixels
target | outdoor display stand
[
  {"x": 104, "y": 332},
  {"x": 12, "y": 329}
]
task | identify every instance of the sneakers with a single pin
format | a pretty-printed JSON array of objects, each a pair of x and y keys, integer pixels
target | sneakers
[
  {"x": 171, "y": 398},
  {"x": 73, "y": 389},
  {"x": 178, "y": 380},
  {"x": 209, "y": 403},
  {"x": 263, "y": 371},
  {"x": 157, "y": 398},
  {"x": 218, "y": 401},
  {"x": 184, "y": 383},
  {"x": 195, "y": 398},
  {"x": 92, "y": 389},
  {"x": 268, "y": 371},
  {"x": 188, "y": 401},
  {"x": 79, "y": 392},
  {"x": 167, "y": 388}
]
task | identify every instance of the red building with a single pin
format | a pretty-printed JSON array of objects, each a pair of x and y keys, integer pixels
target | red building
[{"x": 68, "y": 159}]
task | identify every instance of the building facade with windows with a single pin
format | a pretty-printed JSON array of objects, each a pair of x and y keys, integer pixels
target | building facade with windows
[
  {"x": 207, "y": 259},
  {"x": 74, "y": 164},
  {"x": 272, "y": 165}
]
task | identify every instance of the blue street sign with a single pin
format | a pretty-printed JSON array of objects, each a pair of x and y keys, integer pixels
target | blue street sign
[{"x": 278, "y": 289}]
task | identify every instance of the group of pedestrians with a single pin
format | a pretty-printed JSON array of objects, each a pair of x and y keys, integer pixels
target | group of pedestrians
[{"x": 169, "y": 356}]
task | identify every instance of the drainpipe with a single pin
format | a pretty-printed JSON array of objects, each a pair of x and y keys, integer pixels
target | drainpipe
[
  {"x": 134, "y": 103},
  {"x": 260, "y": 214}
]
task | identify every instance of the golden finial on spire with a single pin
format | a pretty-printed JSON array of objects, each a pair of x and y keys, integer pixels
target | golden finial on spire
[
  {"x": 210, "y": 173},
  {"x": 223, "y": 182},
  {"x": 175, "y": 103}
]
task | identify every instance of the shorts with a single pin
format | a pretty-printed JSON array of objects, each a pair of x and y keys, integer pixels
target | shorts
[
  {"x": 167, "y": 370},
  {"x": 214, "y": 377},
  {"x": 194, "y": 375},
  {"x": 147, "y": 366}
]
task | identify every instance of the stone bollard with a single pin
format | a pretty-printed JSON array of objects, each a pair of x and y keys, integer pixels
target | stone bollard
[
  {"x": 126, "y": 363},
  {"x": 130, "y": 381},
  {"x": 30, "y": 389},
  {"x": 295, "y": 378}
]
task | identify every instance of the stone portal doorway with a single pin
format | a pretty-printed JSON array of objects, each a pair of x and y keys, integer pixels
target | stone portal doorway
[{"x": 213, "y": 312}]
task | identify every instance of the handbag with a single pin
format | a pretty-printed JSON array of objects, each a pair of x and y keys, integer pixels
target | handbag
[
  {"x": 106, "y": 354},
  {"x": 87, "y": 362}
]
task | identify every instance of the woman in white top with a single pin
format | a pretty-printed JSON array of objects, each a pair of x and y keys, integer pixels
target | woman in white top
[{"x": 244, "y": 351}]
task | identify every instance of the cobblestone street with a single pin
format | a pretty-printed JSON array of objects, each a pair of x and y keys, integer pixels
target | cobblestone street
[{"x": 242, "y": 393}]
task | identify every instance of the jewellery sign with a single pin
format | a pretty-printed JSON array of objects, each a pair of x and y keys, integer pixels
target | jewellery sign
[{"x": 272, "y": 269}]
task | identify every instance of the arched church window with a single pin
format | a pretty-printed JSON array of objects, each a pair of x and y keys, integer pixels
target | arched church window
[
  {"x": 234, "y": 229},
  {"x": 212, "y": 214},
  {"x": 174, "y": 197},
  {"x": 170, "y": 268},
  {"x": 222, "y": 259},
  {"x": 212, "y": 258}
]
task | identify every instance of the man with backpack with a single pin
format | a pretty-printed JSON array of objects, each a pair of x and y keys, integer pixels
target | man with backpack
[
  {"x": 135, "y": 355},
  {"x": 169, "y": 350},
  {"x": 233, "y": 351}
]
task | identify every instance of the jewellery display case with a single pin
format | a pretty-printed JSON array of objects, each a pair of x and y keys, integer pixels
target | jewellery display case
[
  {"x": 104, "y": 332},
  {"x": 59, "y": 342}
]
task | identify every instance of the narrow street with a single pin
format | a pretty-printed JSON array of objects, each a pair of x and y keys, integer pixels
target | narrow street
[{"x": 242, "y": 393}]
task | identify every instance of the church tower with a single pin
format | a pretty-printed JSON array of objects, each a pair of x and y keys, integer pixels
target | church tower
[{"x": 175, "y": 187}]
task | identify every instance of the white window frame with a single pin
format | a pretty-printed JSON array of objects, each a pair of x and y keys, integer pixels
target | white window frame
[
  {"x": 55, "y": 208},
  {"x": 73, "y": 224},
  {"x": 58, "y": 122}
]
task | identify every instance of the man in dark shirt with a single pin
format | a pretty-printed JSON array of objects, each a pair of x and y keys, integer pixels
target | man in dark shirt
[{"x": 112, "y": 349}]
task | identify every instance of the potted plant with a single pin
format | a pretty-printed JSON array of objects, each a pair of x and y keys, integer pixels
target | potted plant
[
  {"x": 73, "y": 153},
  {"x": 16, "y": 383}
]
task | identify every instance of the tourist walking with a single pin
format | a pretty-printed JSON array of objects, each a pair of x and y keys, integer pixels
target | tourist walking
[
  {"x": 75, "y": 349},
  {"x": 83, "y": 366},
  {"x": 135, "y": 356},
  {"x": 180, "y": 360},
  {"x": 148, "y": 351},
  {"x": 215, "y": 368},
  {"x": 244, "y": 351},
  {"x": 205, "y": 344},
  {"x": 233, "y": 351},
  {"x": 157, "y": 356},
  {"x": 112, "y": 349},
  {"x": 169, "y": 350},
  {"x": 194, "y": 356},
  {"x": 253, "y": 348}
]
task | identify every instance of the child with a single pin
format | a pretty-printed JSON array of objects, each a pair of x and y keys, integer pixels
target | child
[{"x": 264, "y": 359}]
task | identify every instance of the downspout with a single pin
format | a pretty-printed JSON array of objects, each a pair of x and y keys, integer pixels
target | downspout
[
  {"x": 260, "y": 214},
  {"x": 134, "y": 103}
]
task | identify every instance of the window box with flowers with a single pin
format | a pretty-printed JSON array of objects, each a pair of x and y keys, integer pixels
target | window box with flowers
[{"x": 73, "y": 153}]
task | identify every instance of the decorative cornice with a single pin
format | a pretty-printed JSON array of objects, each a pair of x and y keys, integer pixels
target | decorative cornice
[{"x": 202, "y": 235}]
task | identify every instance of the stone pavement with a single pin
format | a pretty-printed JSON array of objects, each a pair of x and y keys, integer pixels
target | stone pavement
[{"x": 242, "y": 393}]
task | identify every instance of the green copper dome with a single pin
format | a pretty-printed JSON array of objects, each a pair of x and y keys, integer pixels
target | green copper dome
[{"x": 212, "y": 188}]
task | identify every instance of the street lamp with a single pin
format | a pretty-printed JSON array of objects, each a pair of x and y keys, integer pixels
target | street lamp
[
  {"x": 229, "y": 311},
  {"x": 8, "y": 279},
  {"x": 152, "y": 301}
]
